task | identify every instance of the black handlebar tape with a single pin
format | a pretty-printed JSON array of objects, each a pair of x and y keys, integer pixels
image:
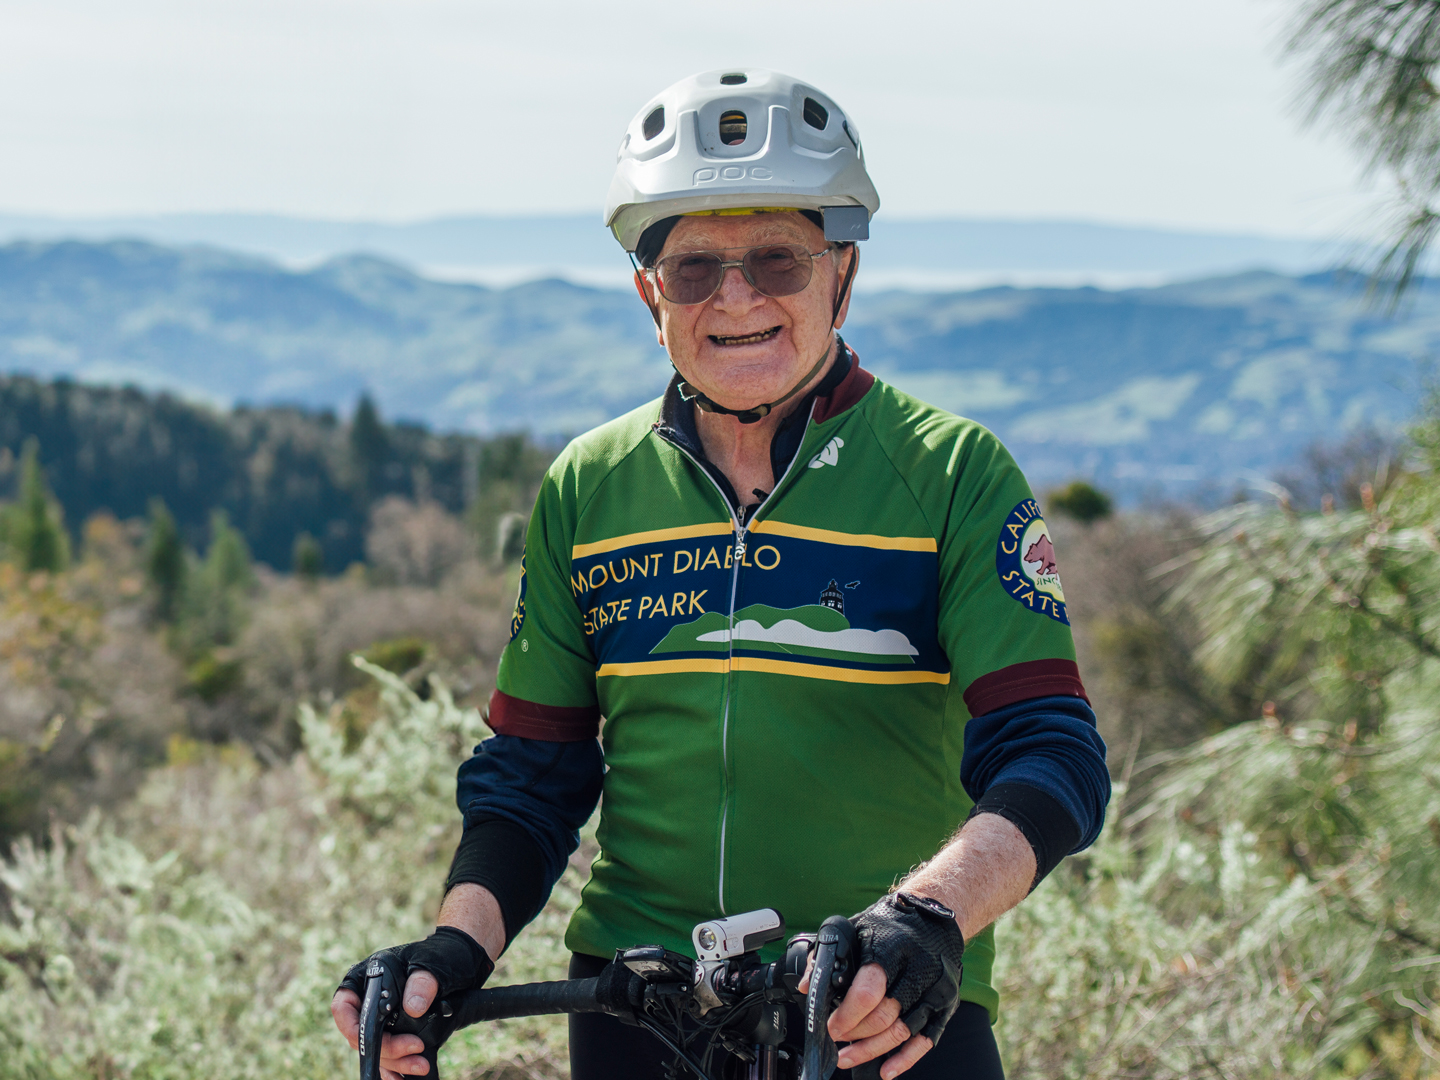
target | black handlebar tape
[{"x": 526, "y": 999}]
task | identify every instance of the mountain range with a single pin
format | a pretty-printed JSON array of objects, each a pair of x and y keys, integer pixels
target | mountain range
[
  {"x": 946, "y": 253},
  {"x": 1157, "y": 389}
]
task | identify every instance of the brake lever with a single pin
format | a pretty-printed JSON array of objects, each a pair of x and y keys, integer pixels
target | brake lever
[
  {"x": 380, "y": 1011},
  {"x": 829, "y": 979}
]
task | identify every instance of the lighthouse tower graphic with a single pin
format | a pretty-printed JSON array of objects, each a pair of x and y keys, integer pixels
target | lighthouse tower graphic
[{"x": 832, "y": 597}]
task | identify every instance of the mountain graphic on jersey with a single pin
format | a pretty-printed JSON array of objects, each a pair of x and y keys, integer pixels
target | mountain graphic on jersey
[{"x": 812, "y": 630}]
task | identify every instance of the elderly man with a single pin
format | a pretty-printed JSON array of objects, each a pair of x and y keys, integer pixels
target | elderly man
[{"x": 835, "y": 677}]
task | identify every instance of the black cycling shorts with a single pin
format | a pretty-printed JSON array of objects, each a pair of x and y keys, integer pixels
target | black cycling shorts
[{"x": 602, "y": 1048}]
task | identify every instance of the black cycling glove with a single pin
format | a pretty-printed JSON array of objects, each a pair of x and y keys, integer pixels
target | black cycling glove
[
  {"x": 915, "y": 939},
  {"x": 457, "y": 961}
]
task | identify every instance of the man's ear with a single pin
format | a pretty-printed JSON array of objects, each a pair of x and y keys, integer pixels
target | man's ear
[{"x": 643, "y": 288}]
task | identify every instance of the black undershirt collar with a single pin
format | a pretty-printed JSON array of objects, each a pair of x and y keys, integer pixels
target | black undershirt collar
[{"x": 677, "y": 423}]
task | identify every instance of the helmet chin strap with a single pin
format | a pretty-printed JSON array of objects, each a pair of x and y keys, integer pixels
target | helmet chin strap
[{"x": 759, "y": 412}]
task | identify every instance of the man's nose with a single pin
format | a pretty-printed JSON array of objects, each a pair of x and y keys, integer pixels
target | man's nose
[{"x": 736, "y": 292}]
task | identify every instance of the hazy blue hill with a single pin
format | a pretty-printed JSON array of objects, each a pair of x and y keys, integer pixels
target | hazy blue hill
[
  {"x": 1192, "y": 382},
  {"x": 579, "y": 243},
  {"x": 1141, "y": 388},
  {"x": 550, "y": 356}
]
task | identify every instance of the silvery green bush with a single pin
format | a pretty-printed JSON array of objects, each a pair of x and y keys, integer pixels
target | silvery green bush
[{"x": 202, "y": 933}]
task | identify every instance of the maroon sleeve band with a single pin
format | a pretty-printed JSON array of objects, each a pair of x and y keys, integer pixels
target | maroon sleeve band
[
  {"x": 548, "y": 723},
  {"x": 852, "y": 388},
  {"x": 1020, "y": 682}
]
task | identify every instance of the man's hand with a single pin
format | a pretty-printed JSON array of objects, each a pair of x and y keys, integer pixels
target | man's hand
[
  {"x": 870, "y": 1022},
  {"x": 907, "y": 987},
  {"x": 983, "y": 872},
  {"x": 471, "y": 908},
  {"x": 449, "y": 961},
  {"x": 399, "y": 1054}
]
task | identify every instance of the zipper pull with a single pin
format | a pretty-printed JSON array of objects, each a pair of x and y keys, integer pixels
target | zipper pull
[{"x": 739, "y": 548}]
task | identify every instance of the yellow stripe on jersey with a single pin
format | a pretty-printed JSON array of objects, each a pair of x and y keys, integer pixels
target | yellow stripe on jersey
[
  {"x": 837, "y": 674},
  {"x": 666, "y": 667},
  {"x": 774, "y": 667},
  {"x": 654, "y": 536},
  {"x": 826, "y": 536}
]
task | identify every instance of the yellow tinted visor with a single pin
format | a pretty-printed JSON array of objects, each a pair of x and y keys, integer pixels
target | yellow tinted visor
[{"x": 736, "y": 211}]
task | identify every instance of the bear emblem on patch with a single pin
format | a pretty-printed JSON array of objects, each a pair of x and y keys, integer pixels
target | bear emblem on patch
[{"x": 1025, "y": 562}]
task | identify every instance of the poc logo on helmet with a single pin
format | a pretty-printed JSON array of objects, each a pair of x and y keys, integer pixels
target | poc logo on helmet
[{"x": 732, "y": 172}]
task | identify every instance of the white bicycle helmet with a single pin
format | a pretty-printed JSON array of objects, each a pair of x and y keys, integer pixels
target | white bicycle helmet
[{"x": 735, "y": 138}]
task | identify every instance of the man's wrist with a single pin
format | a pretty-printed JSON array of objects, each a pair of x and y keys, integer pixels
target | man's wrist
[
  {"x": 505, "y": 860},
  {"x": 1047, "y": 826},
  {"x": 473, "y": 909}
]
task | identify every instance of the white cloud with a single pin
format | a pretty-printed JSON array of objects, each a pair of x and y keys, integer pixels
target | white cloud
[{"x": 790, "y": 632}]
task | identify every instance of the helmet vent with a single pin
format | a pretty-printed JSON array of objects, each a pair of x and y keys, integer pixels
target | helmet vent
[
  {"x": 816, "y": 114},
  {"x": 732, "y": 128},
  {"x": 733, "y": 80},
  {"x": 654, "y": 123}
]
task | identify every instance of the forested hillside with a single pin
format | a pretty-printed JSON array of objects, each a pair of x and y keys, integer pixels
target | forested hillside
[{"x": 277, "y": 471}]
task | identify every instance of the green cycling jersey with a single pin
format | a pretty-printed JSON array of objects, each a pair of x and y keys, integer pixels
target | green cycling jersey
[{"x": 784, "y": 696}]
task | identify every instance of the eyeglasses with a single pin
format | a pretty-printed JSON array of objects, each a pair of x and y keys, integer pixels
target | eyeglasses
[{"x": 693, "y": 277}]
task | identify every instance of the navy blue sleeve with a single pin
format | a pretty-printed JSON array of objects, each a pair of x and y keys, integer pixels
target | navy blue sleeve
[
  {"x": 524, "y": 802},
  {"x": 1041, "y": 764}
]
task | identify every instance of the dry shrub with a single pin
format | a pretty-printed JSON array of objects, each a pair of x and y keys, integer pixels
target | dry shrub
[
  {"x": 1135, "y": 650},
  {"x": 301, "y": 635},
  {"x": 87, "y": 696},
  {"x": 415, "y": 543}
]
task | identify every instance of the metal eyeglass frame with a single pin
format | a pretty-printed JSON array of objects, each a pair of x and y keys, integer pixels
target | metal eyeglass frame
[{"x": 653, "y": 272}]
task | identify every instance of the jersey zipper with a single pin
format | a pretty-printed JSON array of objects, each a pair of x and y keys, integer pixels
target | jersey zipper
[
  {"x": 729, "y": 656},
  {"x": 738, "y": 557}
]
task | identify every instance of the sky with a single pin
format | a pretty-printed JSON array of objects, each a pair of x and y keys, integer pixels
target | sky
[{"x": 1176, "y": 113}]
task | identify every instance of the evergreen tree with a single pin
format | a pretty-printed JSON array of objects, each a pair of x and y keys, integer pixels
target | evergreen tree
[
  {"x": 35, "y": 533},
  {"x": 227, "y": 560},
  {"x": 369, "y": 447},
  {"x": 165, "y": 561},
  {"x": 1373, "y": 76},
  {"x": 214, "y": 609},
  {"x": 308, "y": 561}
]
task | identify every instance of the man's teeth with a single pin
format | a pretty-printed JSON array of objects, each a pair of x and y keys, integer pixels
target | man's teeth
[{"x": 747, "y": 339}]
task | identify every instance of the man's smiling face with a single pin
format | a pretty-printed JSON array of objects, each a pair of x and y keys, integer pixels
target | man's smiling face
[{"x": 742, "y": 348}]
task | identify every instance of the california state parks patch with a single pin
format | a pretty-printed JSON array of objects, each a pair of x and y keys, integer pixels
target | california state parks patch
[{"x": 1025, "y": 561}]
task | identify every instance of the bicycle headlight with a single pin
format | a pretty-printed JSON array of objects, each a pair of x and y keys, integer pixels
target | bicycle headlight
[{"x": 721, "y": 939}]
